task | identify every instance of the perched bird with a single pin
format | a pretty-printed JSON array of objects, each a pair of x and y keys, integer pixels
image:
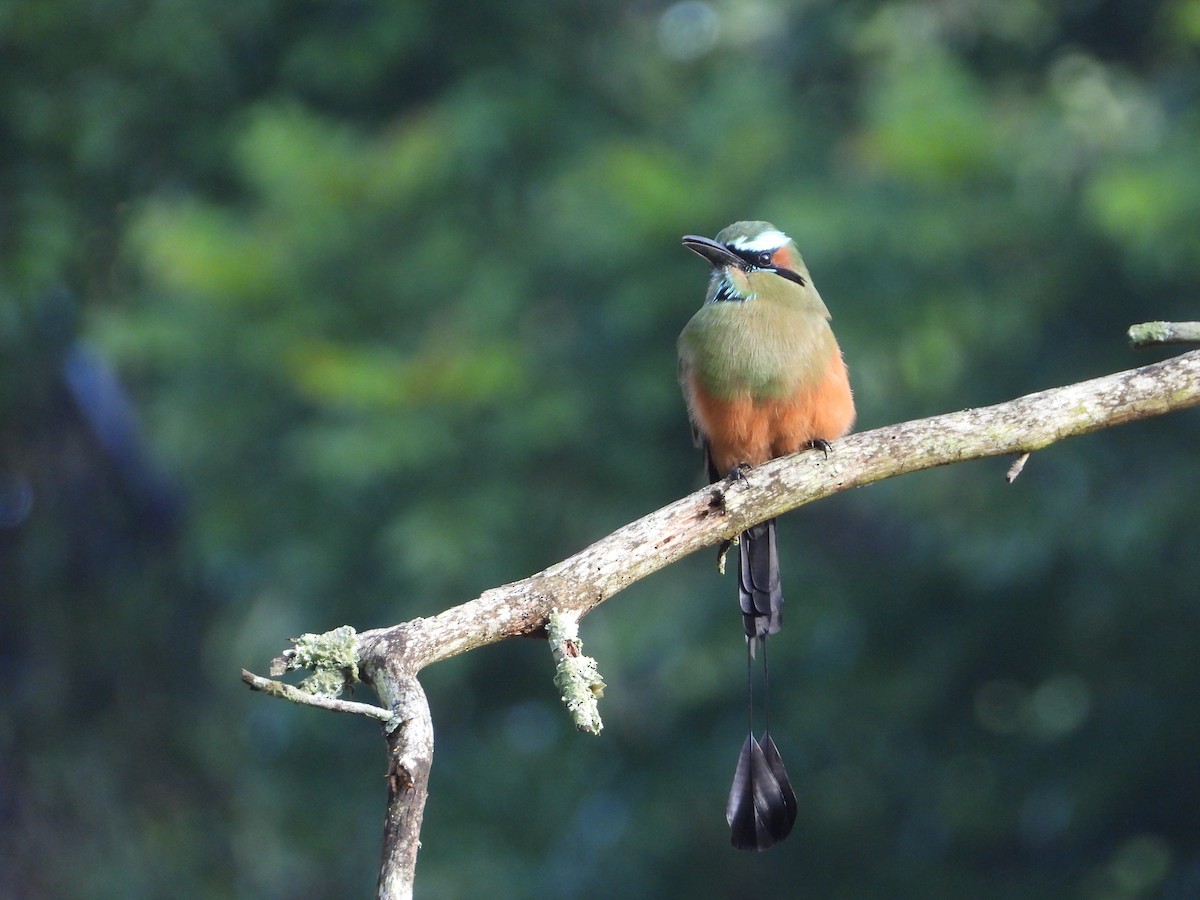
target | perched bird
[{"x": 763, "y": 376}]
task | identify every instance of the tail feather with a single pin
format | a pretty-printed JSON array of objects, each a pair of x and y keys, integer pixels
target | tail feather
[
  {"x": 762, "y": 805},
  {"x": 759, "y": 590},
  {"x": 787, "y": 796}
]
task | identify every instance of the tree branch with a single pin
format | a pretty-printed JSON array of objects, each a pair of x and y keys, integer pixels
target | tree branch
[
  {"x": 390, "y": 658},
  {"x": 304, "y": 698},
  {"x": 1152, "y": 334},
  {"x": 410, "y": 758},
  {"x": 723, "y": 510},
  {"x": 576, "y": 676}
]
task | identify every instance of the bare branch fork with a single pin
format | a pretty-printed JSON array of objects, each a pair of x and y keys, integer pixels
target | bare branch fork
[{"x": 389, "y": 658}]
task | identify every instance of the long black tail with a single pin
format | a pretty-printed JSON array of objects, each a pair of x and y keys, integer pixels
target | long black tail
[{"x": 762, "y": 805}]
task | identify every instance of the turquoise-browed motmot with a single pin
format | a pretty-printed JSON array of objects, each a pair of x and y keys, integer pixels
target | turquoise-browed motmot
[{"x": 763, "y": 377}]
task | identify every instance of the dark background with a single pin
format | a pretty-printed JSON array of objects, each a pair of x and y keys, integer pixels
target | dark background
[{"x": 322, "y": 313}]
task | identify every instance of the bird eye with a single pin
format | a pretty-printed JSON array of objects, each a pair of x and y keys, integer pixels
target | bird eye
[{"x": 765, "y": 260}]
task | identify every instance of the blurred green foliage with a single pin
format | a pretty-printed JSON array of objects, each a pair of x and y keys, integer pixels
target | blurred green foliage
[{"x": 394, "y": 289}]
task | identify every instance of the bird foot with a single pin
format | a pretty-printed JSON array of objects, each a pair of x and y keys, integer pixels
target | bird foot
[
  {"x": 738, "y": 472},
  {"x": 820, "y": 444}
]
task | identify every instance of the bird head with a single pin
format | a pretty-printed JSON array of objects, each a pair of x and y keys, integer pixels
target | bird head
[{"x": 749, "y": 258}]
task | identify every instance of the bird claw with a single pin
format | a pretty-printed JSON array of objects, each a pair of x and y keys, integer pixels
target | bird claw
[{"x": 738, "y": 472}]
